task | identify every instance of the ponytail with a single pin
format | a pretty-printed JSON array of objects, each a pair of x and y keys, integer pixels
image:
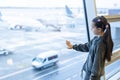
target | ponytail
[
  {"x": 109, "y": 42},
  {"x": 101, "y": 22}
]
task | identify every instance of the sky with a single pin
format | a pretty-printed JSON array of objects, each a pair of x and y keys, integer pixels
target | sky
[
  {"x": 57, "y": 3},
  {"x": 108, "y": 3},
  {"x": 39, "y": 3}
]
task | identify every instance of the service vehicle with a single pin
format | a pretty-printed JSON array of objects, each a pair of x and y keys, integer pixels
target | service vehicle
[
  {"x": 4, "y": 51},
  {"x": 45, "y": 59}
]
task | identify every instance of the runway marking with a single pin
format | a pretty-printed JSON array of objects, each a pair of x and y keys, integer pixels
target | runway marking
[
  {"x": 65, "y": 61},
  {"x": 73, "y": 77},
  {"x": 12, "y": 74},
  {"x": 21, "y": 71},
  {"x": 57, "y": 70},
  {"x": 68, "y": 60}
]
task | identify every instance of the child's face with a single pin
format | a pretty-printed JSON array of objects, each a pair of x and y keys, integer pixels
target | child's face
[{"x": 95, "y": 30}]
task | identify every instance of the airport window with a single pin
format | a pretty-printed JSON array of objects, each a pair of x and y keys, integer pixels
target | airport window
[
  {"x": 59, "y": 16},
  {"x": 111, "y": 10},
  {"x": 106, "y": 7},
  {"x": 30, "y": 27}
]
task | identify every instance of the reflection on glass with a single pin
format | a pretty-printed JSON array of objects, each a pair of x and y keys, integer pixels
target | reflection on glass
[
  {"x": 106, "y": 7},
  {"x": 110, "y": 8}
]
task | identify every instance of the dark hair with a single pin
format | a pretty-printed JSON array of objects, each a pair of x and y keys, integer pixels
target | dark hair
[{"x": 101, "y": 22}]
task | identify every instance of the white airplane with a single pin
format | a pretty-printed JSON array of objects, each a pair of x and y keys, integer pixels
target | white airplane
[{"x": 23, "y": 23}]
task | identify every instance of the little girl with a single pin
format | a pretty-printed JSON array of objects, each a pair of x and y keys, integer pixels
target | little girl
[{"x": 99, "y": 48}]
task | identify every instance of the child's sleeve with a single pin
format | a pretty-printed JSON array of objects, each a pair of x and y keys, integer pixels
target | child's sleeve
[{"x": 81, "y": 47}]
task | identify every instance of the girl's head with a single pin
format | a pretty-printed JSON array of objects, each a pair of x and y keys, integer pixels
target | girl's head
[{"x": 99, "y": 25}]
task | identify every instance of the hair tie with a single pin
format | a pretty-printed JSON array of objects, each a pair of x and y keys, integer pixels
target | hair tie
[
  {"x": 107, "y": 26},
  {"x": 99, "y": 20}
]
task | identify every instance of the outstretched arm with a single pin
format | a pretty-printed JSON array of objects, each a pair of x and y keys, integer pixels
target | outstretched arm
[{"x": 80, "y": 47}]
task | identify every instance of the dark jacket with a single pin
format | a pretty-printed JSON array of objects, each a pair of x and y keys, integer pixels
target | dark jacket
[{"x": 95, "y": 62}]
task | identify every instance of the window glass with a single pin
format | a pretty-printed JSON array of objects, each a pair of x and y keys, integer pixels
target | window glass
[
  {"x": 52, "y": 57},
  {"x": 108, "y": 7},
  {"x": 38, "y": 59},
  {"x": 55, "y": 20},
  {"x": 30, "y": 27}
]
